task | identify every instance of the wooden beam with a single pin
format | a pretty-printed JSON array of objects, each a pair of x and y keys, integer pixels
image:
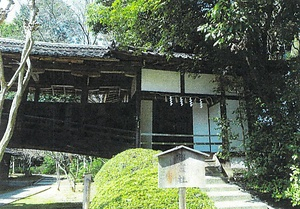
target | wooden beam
[{"x": 138, "y": 109}]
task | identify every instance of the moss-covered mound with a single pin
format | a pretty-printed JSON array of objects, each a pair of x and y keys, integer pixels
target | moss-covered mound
[{"x": 129, "y": 180}]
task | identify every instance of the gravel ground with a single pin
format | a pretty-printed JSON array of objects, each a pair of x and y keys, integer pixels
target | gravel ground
[{"x": 55, "y": 196}]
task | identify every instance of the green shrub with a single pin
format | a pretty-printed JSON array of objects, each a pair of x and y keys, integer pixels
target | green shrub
[
  {"x": 293, "y": 191},
  {"x": 130, "y": 180},
  {"x": 48, "y": 166},
  {"x": 96, "y": 165},
  {"x": 80, "y": 166}
]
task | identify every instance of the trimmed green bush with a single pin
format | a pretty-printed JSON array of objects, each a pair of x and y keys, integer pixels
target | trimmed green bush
[{"x": 130, "y": 180}]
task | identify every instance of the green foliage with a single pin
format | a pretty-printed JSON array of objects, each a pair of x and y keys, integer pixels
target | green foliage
[
  {"x": 77, "y": 165},
  {"x": 293, "y": 190},
  {"x": 160, "y": 25},
  {"x": 263, "y": 26},
  {"x": 57, "y": 23},
  {"x": 66, "y": 98},
  {"x": 11, "y": 30},
  {"x": 273, "y": 142},
  {"x": 121, "y": 18},
  {"x": 129, "y": 180},
  {"x": 48, "y": 166},
  {"x": 81, "y": 165},
  {"x": 95, "y": 165},
  {"x": 10, "y": 95}
]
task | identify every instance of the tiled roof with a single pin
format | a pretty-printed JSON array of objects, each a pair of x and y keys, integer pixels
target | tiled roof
[{"x": 56, "y": 49}]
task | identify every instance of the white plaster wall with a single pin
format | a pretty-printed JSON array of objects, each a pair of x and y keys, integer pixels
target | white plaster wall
[
  {"x": 169, "y": 81},
  {"x": 215, "y": 112},
  {"x": 160, "y": 81},
  {"x": 201, "y": 127},
  {"x": 203, "y": 84}
]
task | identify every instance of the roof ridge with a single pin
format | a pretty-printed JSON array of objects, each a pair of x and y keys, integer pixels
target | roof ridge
[{"x": 55, "y": 49}]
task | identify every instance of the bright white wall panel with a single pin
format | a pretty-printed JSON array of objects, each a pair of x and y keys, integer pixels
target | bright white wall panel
[
  {"x": 203, "y": 84},
  {"x": 200, "y": 127},
  {"x": 160, "y": 81}
]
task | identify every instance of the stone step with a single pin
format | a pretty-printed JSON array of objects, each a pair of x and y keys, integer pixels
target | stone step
[
  {"x": 220, "y": 187},
  {"x": 218, "y": 196},
  {"x": 227, "y": 195},
  {"x": 215, "y": 180},
  {"x": 252, "y": 204},
  {"x": 230, "y": 196}
]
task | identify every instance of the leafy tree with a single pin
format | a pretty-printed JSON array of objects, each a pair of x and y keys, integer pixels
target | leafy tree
[
  {"x": 261, "y": 34},
  {"x": 28, "y": 158},
  {"x": 58, "y": 22},
  {"x": 161, "y": 25},
  {"x": 85, "y": 35},
  {"x": 49, "y": 165},
  {"x": 11, "y": 30}
]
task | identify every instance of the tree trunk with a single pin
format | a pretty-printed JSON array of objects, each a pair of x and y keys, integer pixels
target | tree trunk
[
  {"x": 12, "y": 116},
  {"x": 23, "y": 74},
  {"x": 3, "y": 86}
]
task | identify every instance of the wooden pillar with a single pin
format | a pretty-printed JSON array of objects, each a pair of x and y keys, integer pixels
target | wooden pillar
[
  {"x": 87, "y": 191},
  {"x": 84, "y": 90},
  {"x": 4, "y": 166},
  {"x": 37, "y": 94},
  {"x": 138, "y": 109},
  {"x": 84, "y": 102},
  {"x": 57, "y": 174},
  {"x": 182, "y": 198},
  {"x": 182, "y": 83}
]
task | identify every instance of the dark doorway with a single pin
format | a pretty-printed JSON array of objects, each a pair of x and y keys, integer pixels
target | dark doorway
[{"x": 172, "y": 125}]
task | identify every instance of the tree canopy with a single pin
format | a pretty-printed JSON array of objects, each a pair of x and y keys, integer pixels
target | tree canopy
[
  {"x": 160, "y": 25},
  {"x": 58, "y": 22}
]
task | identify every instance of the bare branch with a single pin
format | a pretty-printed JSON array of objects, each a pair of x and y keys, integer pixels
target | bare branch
[
  {"x": 4, "y": 12},
  {"x": 21, "y": 65},
  {"x": 29, "y": 28},
  {"x": 28, "y": 71},
  {"x": 2, "y": 78},
  {"x": 3, "y": 86}
]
